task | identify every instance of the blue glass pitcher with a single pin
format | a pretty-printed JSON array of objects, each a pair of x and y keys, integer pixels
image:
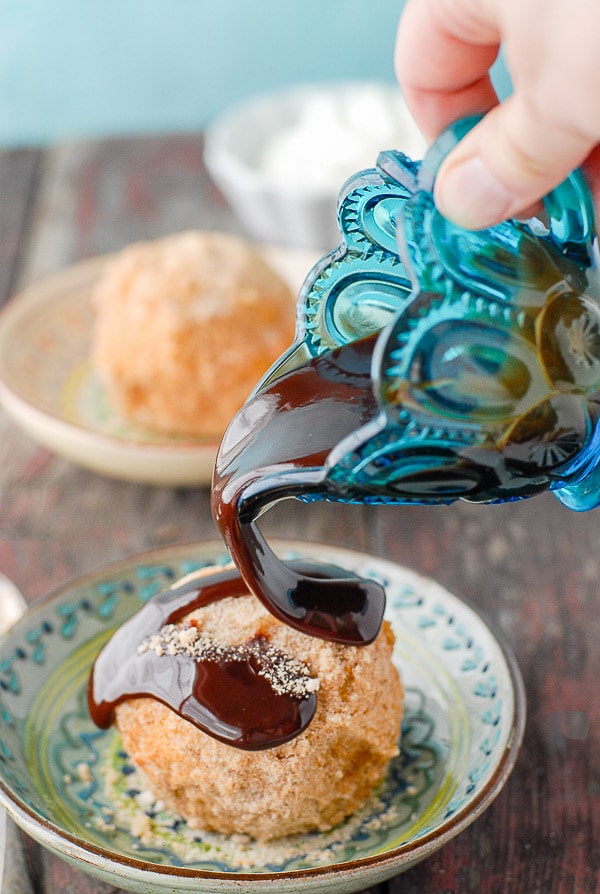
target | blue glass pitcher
[
  {"x": 486, "y": 368},
  {"x": 430, "y": 364}
]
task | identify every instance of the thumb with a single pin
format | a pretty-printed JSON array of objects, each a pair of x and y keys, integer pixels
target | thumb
[{"x": 507, "y": 163}]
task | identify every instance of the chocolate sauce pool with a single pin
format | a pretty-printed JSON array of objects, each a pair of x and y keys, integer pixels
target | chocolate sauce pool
[
  {"x": 274, "y": 448},
  {"x": 225, "y": 696}
]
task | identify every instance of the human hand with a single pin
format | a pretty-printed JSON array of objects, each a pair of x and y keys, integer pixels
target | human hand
[{"x": 526, "y": 145}]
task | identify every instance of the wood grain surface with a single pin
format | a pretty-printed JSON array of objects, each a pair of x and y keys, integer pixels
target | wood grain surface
[{"x": 533, "y": 568}]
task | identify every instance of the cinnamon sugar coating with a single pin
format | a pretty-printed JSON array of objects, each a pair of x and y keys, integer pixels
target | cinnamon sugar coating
[
  {"x": 312, "y": 782},
  {"x": 184, "y": 328}
]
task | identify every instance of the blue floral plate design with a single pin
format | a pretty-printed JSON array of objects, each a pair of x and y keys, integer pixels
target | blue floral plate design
[{"x": 73, "y": 789}]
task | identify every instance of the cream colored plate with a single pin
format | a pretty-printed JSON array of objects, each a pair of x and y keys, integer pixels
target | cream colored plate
[{"x": 48, "y": 388}]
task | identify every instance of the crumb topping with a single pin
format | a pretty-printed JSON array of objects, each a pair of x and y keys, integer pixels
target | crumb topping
[{"x": 287, "y": 675}]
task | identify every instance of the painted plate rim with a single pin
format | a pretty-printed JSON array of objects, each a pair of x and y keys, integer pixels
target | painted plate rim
[{"x": 373, "y": 868}]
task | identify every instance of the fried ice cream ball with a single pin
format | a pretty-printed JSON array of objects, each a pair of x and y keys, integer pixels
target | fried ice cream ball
[
  {"x": 312, "y": 782},
  {"x": 184, "y": 328}
]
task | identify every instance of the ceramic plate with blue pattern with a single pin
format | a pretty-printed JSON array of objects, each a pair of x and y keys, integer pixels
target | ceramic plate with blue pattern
[{"x": 74, "y": 789}]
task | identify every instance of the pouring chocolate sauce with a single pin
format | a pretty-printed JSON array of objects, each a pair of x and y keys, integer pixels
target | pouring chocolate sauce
[
  {"x": 432, "y": 364},
  {"x": 276, "y": 447}
]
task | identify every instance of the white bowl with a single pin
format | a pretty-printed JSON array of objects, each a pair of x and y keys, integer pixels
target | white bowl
[{"x": 281, "y": 158}]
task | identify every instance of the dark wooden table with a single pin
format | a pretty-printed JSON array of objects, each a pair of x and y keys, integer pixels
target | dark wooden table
[{"x": 531, "y": 567}]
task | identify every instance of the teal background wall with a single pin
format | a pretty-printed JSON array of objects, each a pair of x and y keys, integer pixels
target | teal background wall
[
  {"x": 86, "y": 68},
  {"x": 72, "y": 68}
]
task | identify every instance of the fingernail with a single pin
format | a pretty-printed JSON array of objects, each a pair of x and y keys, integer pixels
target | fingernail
[{"x": 470, "y": 195}]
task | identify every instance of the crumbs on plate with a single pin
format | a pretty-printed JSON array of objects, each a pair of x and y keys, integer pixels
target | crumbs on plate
[{"x": 137, "y": 810}]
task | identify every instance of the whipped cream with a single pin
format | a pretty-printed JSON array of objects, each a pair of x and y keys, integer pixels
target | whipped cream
[{"x": 336, "y": 134}]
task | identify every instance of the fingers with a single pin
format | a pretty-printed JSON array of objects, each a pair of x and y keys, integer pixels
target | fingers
[
  {"x": 443, "y": 56},
  {"x": 591, "y": 170},
  {"x": 516, "y": 154},
  {"x": 524, "y": 148}
]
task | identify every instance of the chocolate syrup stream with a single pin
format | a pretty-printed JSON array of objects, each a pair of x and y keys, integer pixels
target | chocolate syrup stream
[{"x": 275, "y": 448}]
